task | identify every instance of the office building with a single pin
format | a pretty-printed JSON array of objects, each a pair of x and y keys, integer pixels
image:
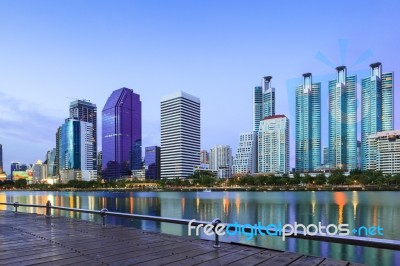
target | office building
[
  {"x": 221, "y": 160},
  {"x": 15, "y": 166},
  {"x": 152, "y": 163},
  {"x": 384, "y": 152},
  {"x": 121, "y": 134},
  {"x": 51, "y": 163},
  {"x": 76, "y": 145},
  {"x": 245, "y": 161},
  {"x": 86, "y": 111},
  {"x": 308, "y": 125},
  {"x": 263, "y": 102},
  {"x": 376, "y": 107},
  {"x": 343, "y": 120},
  {"x": 273, "y": 145},
  {"x": 180, "y": 135},
  {"x": 99, "y": 163},
  {"x": 204, "y": 157},
  {"x": 39, "y": 172}
]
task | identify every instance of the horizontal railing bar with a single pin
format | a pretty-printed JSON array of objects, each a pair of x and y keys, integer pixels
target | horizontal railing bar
[{"x": 351, "y": 240}]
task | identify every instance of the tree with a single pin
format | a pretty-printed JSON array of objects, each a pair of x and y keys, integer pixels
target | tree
[{"x": 20, "y": 183}]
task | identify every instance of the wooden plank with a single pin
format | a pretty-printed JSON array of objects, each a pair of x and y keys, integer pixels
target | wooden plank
[
  {"x": 307, "y": 260},
  {"x": 284, "y": 258},
  {"x": 238, "y": 256},
  {"x": 331, "y": 262}
]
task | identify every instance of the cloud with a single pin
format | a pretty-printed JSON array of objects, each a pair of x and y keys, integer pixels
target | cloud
[{"x": 21, "y": 119}]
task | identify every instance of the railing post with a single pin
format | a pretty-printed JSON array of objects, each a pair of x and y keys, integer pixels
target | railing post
[
  {"x": 103, "y": 213},
  {"x": 48, "y": 208},
  {"x": 215, "y": 222},
  {"x": 16, "y": 205}
]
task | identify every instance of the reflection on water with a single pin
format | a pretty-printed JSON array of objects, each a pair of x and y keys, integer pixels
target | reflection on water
[{"x": 354, "y": 208}]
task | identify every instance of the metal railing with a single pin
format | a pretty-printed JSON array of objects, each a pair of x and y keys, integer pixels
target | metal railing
[{"x": 351, "y": 240}]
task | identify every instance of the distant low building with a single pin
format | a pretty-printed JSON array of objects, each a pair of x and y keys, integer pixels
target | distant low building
[{"x": 384, "y": 152}]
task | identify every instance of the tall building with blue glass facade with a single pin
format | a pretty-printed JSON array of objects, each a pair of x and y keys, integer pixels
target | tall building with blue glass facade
[
  {"x": 376, "y": 108},
  {"x": 308, "y": 125},
  {"x": 343, "y": 120},
  {"x": 263, "y": 102},
  {"x": 121, "y": 134},
  {"x": 152, "y": 162},
  {"x": 76, "y": 145}
]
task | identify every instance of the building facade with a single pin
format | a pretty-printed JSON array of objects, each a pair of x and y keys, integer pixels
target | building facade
[
  {"x": 121, "y": 134},
  {"x": 343, "y": 120},
  {"x": 273, "y": 145},
  {"x": 51, "y": 163},
  {"x": 221, "y": 160},
  {"x": 76, "y": 145},
  {"x": 245, "y": 161},
  {"x": 86, "y": 111},
  {"x": 204, "y": 157},
  {"x": 180, "y": 135},
  {"x": 376, "y": 107},
  {"x": 384, "y": 152},
  {"x": 152, "y": 163},
  {"x": 308, "y": 125},
  {"x": 263, "y": 102}
]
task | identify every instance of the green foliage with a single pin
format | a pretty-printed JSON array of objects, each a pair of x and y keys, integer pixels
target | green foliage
[{"x": 21, "y": 183}]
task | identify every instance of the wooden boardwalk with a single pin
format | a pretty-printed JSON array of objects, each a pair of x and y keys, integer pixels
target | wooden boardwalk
[{"x": 30, "y": 239}]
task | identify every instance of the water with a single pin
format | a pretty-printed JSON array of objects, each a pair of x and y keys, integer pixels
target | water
[{"x": 365, "y": 208}]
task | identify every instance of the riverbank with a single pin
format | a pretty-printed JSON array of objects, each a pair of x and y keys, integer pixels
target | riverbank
[{"x": 211, "y": 189}]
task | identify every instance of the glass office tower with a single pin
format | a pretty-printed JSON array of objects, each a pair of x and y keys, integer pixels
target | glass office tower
[
  {"x": 376, "y": 107},
  {"x": 121, "y": 134},
  {"x": 308, "y": 125},
  {"x": 152, "y": 162},
  {"x": 263, "y": 102},
  {"x": 343, "y": 121}
]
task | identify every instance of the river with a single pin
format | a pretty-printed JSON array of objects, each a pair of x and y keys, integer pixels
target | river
[{"x": 366, "y": 208}]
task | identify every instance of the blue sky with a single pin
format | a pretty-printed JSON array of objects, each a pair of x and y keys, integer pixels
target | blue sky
[{"x": 52, "y": 51}]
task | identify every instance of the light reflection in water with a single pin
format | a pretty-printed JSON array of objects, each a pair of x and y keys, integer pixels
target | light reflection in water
[
  {"x": 366, "y": 208},
  {"x": 355, "y": 203},
  {"x": 340, "y": 200}
]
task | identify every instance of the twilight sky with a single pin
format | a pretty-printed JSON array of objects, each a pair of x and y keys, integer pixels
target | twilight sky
[{"x": 54, "y": 51}]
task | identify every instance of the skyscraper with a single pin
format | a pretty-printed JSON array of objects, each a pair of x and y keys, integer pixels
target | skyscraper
[
  {"x": 51, "y": 163},
  {"x": 245, "y": 161},
  {"x": 221, "y": 160},
  {"x": 343, "y": 120},
  {"x": 86, "y": 111},
  {"x": 263, "y": 102},
  {"x": 76, "y": 145},
  {"x": 273, "y": 145},
  {"x": 308, "y": 125},
  {"x": 152, "y": 162},
  {"x": 121, "y": 134},
  {"x": 376, "y": 107},
  {"x": 180, "y": 135}
]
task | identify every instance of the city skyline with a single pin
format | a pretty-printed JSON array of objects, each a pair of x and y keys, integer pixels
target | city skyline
[{"x": 228, "y": 72}]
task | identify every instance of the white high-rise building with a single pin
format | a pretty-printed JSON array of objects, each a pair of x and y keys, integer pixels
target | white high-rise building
[
  {"x": 180, "y": 135},
  {"x": 384, "y": 152},
  {"x": 221, "y": 160},
  {"x": 245, "y": 161},
  {"x": 273, "y": 145}
]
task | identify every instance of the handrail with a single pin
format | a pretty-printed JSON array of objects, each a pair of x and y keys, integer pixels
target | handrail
[{"x": 351, "y": 240}]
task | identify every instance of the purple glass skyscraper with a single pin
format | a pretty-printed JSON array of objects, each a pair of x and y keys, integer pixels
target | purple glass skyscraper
[{"x": 121, "y": 134}]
